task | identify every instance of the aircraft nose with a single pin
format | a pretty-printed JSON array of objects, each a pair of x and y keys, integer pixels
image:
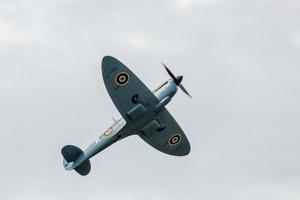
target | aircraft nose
[{"x": 178, "y": 79}]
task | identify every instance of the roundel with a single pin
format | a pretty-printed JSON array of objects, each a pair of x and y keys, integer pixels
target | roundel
[
  {"x": 108, "y": 132},
  {"x": 175, "y": 139},
  {"x": 122, "y": 78}
]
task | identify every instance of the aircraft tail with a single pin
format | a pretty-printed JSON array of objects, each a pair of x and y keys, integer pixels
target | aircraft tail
[{"x": 71, "y": 154}]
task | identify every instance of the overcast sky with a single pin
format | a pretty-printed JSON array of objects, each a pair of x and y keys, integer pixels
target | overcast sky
[{"x": 240, "y": 61}]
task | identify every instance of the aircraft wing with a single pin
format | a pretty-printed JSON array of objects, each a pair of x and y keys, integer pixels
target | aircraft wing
[
  {"x": 129, "y": 94},
  {"x": 165, "y": 135}
]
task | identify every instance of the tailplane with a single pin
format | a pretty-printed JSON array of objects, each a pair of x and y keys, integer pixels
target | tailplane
[{"x": 71, "y": 154}]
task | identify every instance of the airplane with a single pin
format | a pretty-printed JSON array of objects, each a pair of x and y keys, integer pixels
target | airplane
[{"x": 143, "y": 113}]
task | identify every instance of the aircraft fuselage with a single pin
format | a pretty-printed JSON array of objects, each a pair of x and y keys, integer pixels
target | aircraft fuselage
[{"x": 120, "y": 129}]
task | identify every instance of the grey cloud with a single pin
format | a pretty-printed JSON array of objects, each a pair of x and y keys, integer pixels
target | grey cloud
[{"x": 239, "y": 60}]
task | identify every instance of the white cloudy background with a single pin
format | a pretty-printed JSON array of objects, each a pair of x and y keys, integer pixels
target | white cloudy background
[{"x": 240, "y": 61}]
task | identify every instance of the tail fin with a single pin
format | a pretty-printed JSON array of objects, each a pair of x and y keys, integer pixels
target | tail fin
[{"x": 71, "y": 154}]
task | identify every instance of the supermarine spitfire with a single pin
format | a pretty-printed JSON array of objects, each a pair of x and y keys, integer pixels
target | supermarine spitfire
[{"x": 143, "y": 113}]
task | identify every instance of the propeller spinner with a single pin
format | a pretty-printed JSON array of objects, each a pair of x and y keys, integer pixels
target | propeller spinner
[{"x": 177, "y": 80}]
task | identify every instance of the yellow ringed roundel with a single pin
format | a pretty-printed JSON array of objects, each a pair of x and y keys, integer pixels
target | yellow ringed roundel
[
  {"x": 122, "y": 78},
  {"x": 108, "y": 132},
  {"x": 175, "y": 139}
]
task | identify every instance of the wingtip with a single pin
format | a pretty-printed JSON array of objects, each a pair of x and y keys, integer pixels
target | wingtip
[
  {"x": 107, "y": 58},
  {"x": 107, "y": 62}
]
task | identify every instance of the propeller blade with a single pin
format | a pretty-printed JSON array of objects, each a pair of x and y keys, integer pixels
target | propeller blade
[
  {"x": 169, "y": 72},
  {"x": 177, "y": 80},
  {"x": 185, "y": 91}
]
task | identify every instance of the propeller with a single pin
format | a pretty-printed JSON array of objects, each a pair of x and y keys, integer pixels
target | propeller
[{"x": 177, "y": 80}]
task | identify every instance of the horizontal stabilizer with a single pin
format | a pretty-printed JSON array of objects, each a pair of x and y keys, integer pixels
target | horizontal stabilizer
[
  {"x": 84, "y": 168},
  {"x": 71, "y": 154}
]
